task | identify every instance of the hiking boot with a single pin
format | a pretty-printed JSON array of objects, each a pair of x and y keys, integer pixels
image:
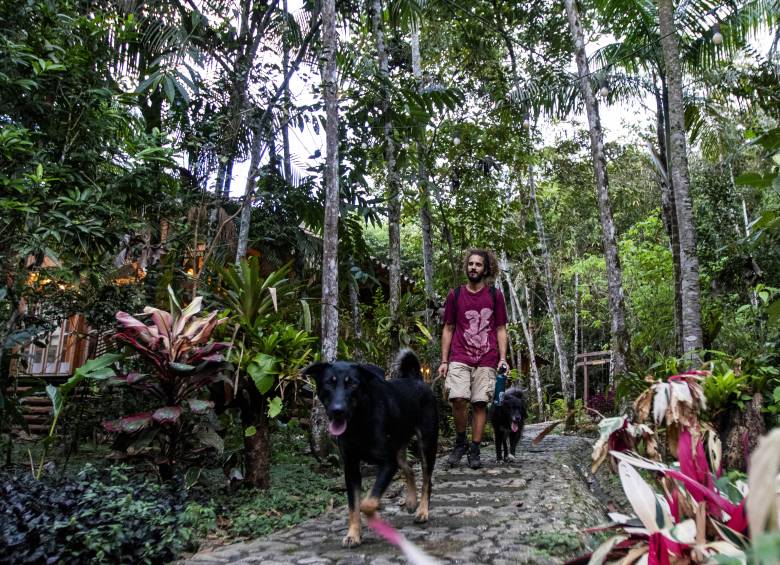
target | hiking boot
[
  {"x": 457, "y": 454},
  {"x": 474, "y": 461}
]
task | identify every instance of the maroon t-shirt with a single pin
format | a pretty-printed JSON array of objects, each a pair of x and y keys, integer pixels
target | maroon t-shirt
[{"x": 474, "y": 341}]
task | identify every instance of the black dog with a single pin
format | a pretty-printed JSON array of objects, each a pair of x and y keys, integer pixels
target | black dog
[
  {"x": 508, "y": 420},
  {"x": 374, "y": 421}
]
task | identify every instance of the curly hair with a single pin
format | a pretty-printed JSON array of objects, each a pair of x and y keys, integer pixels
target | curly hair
[{"x": 491, "y": 263}]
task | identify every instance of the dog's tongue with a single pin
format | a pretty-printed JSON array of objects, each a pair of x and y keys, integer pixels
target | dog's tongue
[
  {"x": 514, "y": 426},
  {"x": 337, "y": 428}
]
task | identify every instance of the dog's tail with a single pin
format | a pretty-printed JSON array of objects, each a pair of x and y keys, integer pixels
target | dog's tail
[{"x": 407, "y": 365}]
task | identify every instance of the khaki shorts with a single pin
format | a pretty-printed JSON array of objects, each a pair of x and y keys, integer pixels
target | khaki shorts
[{"x": 476, "y": 384}]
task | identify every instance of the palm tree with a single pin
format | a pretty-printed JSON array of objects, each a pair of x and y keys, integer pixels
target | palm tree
[{"x": 692, "y": 337}]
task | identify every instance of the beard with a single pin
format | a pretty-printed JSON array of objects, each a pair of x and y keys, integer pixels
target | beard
[{"x": 475, "y": 277}]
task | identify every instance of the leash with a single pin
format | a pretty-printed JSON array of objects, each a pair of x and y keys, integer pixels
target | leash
[{"x": 414, "y": 554}]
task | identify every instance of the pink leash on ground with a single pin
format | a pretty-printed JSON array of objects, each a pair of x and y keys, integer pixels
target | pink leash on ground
[{"x": 414, "y": 554}]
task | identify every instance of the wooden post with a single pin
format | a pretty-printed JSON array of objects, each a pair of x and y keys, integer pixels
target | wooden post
[{"x": 585, "y": 383}]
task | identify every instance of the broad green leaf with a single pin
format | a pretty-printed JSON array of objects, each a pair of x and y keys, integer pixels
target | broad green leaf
[
  {"x": 56, "y": 398},
  {"x": 250, "y": 431},
  {"x": 169, "y": 88},
  {"x": 755, "y": 180},
  {"x": 211, "y": 438},
  {"x": 96, "y": 368},
  {"x": 262, "y": 371},
  {"x": 275, "y": 407},
  {"x": 423, "y": 330},
  {"x": 306, "y": 315},
  {"x": 773, "y": 312}
]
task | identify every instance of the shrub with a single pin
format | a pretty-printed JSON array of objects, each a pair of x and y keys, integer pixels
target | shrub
[
  {"x": 182, "y": 363},
  {"x": 603, "y": 402},
  {"x": 102, "y": 516}
]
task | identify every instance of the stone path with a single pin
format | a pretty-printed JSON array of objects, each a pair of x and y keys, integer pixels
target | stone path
[{"x": 530, "y": 511}]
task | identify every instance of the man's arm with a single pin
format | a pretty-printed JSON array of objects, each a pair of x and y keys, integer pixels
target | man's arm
[
  {"x": 446, "y": 340},
  {"x": 502, "y": 338}
]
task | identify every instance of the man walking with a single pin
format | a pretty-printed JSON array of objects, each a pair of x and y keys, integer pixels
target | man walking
[{"x": 473, "y": 346}]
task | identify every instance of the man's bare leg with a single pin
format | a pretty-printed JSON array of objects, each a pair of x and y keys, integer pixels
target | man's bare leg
[
  {"x": 460, "y": 413},
  {"x": 478, "y": 418}
]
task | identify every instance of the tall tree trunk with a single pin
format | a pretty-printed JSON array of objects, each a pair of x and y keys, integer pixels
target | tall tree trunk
[
  {"x": 513, "y": 308},
  {"x": 668, "y": 210},
  {"x": 425, "y": 195},
  {"x": 330, "y": 297},
  {"x": 257, "y": 447},
  {"x": 286, "y": 156},
  {"x": 549, "y": 291},
  {"x": 228, "y": 179},
  {"x": 393, "y": 184},
  {"x": 257, "y": 151},
  {"x": 689, "y": 260},
  {"x": 330, "y": 236},
  {"x": 620, "y": 339},
  {"x": 576, "y": 335},
  {"x": 536, "y": 382},
  {"x": 220, "y": 178},
  {"x": 354, "y": 302}
]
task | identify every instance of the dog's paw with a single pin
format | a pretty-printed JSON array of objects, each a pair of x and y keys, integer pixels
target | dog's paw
[
  {"x": 369, "y": 506},
  {"x": 421, "y": 516},
  {"x": 352, "y": 539},
  {"x": 410, "y": 503}
]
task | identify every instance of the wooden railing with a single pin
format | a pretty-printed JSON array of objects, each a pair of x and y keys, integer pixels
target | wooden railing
[{"x": 590, "y": 359}]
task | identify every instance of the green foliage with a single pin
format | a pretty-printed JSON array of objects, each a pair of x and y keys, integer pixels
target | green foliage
[
  {"x": 557, "y": 409},
  {"x": 555, "y": 543},
  {"x": 629, "y": 387},
  {"x": 297, "y": 493},
  {"x": 300, "y": 489},
  {"x": 99, "y": 369},
  {"x": 724, "y": 390},
  {"x": 101, "y": 516},
  {"x": 77, "y": 170},
  {"x": 280, "y": 352},
  {"x": 272, "y": 351},
  {"x": 252, "y": 298},
  {"x": 411, "y": 327}
]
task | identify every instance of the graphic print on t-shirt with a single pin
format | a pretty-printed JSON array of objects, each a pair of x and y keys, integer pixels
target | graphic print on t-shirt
[{"x": 476, "y": 335}]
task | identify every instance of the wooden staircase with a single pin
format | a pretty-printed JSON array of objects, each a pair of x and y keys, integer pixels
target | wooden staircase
[{"x": 36, "y": 409}]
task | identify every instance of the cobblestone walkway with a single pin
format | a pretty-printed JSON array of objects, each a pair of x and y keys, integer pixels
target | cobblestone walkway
[{"x": 530, "y": 511}]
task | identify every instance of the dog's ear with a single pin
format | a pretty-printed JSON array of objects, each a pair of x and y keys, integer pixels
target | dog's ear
[{"x": 316, "y": 371}]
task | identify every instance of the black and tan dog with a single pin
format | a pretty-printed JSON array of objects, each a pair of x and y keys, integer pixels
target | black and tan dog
[
  {"x": 374, "y": 420},
  {"x": 508, "y": 421}
]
